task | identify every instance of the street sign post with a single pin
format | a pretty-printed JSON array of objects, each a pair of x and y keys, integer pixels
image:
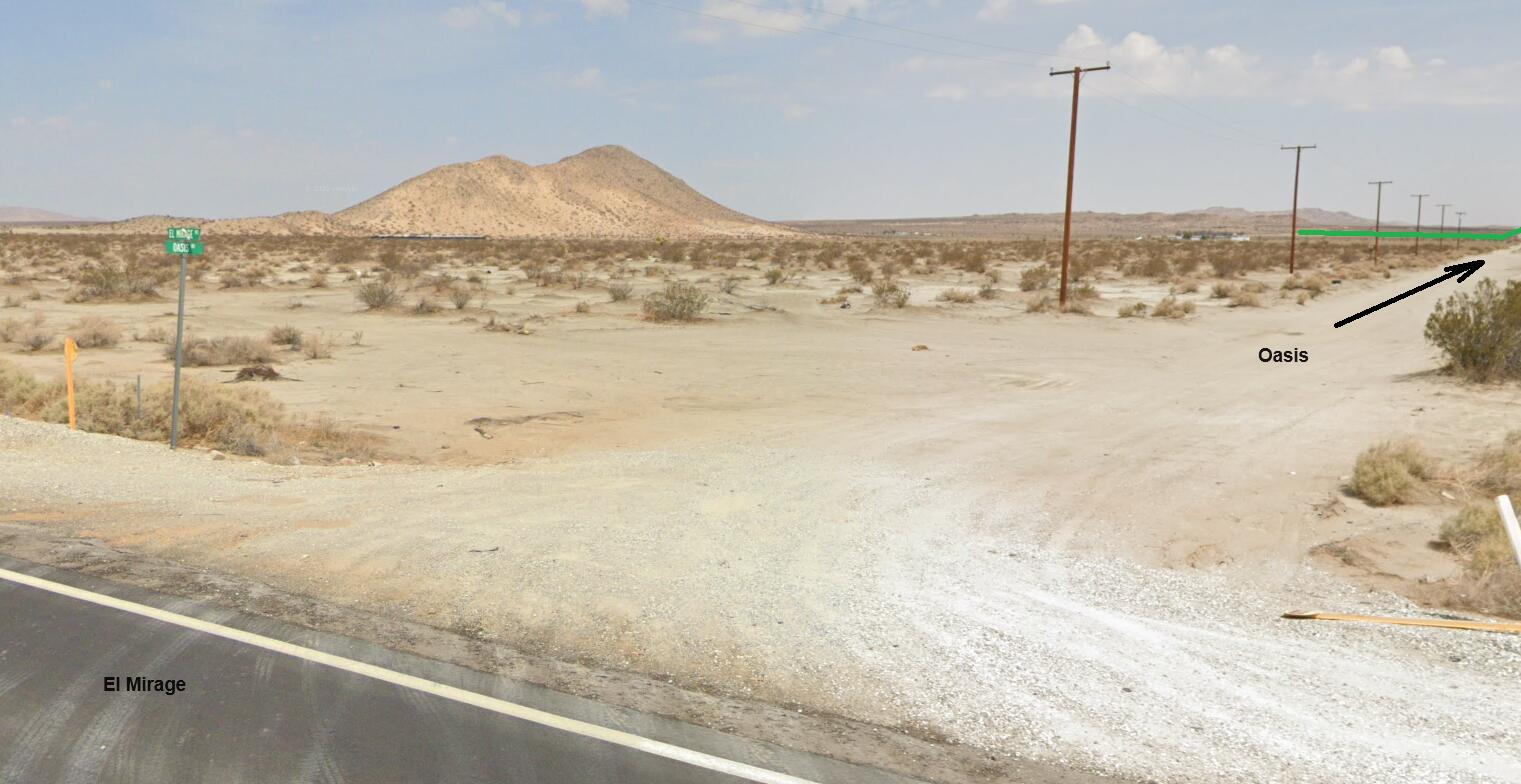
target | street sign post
[{"x": 184, "y": 241}]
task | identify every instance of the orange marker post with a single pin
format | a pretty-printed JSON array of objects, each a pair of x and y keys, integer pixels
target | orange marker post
[{"x": 70, "y": 351}]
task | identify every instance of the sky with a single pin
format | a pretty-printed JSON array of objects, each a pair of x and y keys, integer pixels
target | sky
[{"x": 784, "y": 109}]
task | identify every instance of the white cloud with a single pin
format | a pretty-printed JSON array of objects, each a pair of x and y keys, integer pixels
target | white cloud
[
  {"x": 796, "y": 111},
  {"x": 754, "y": 21},
  {"x": 1394, "y": 57},
  {"x": 104, "y": 84},
  {"x": 949, "y": 92},
  {"x": 995, "y": 9},
  {"x": 600, "y": 8},
  {"x": 587, "y": 79},
  {"x": 464, "y": 17}
]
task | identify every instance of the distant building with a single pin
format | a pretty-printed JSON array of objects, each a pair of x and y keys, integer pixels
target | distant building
[{"x": 1233, "y": 236}]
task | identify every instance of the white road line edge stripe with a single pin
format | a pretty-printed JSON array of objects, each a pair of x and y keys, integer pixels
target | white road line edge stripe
[{"x": 626, "y": 739}]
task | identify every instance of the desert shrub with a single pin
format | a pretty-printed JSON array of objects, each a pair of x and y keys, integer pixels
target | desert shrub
[
  {"x": 1245, "y": 299},
  {"x": 426, "y": 307},
  {"x": 1036, "y": 277},
  {"x": 1086, "y": 291},
  {"x": 583, "y": 307},
  {"x": 154, "y": 334},
  {"x": 775, "y": 275},
  {"x": 1222, "y": 291},
  {"x": 1172, "y": 307},
  {"x": 957, "y": 296},
  {"x": 95, "y": 332},
  {"x": 460, "y": 297},
  {"x": 1227, "y": 266},
  {"x": 861, "y": 270},
  {"x": 729, "y": 283},
  {"x": 1184, "y": 286},
  {"x": 317, "y": 280},
  {"x": 1500, "y": 467},
  {"x": 889, "y": 294},
  {"x": 1480, "y": 331},
  {"x": 133, "y": 278},
  {"x": 34, "y": 337},
  {"x": 1390, "y": 473},
  {"x": 1472, "y": 525},
  {"x": 987, "y": 291},
  {"x": 377, "y": 294},
  {"x": 12, "y": 302},
  {"x": 224, "y": 350},
  {"x": 620, "y": 290},
  {"x": 678, "y": 301},
  {"x": 1042, "y": 305},
  {"x": 317, "y": 347},
  {"x": 285, "y": 335},
  {"x": 1314, "y": 283},
  {"x": 1137, "y": 310}
]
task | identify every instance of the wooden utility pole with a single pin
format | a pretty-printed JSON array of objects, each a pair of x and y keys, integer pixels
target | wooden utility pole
[
  {"x": 1460, "y": 215},
  {"x": 1378, "y": 210},
  {"x": 1077, "y": 81},
  {"x": 1420, "y": 198},
  {"x": 1294, "y": 221},
  {"x": 1441, "y": 227}
]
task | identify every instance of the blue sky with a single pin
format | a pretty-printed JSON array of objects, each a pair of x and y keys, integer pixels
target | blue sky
[{"x": 228, "y": 108}]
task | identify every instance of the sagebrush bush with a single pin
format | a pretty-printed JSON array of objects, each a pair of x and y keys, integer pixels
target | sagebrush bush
[
  {"x": 285, "y": 335},
  {"x": 1480, "y": 331},
  {"x": 95, "y": 332},
  {"x": 1036, "y": 277},
  {"x": 1471, "y": 525},
  {"x": 1137, "y": 310},
  {"x": 1390, "y": 473},
  {"x": 224, "y": 350},
  {"x": 619, "y": 290},
  {"x": 133, "y": 278},
  {"x": 1172, "y": 307},
  {"x": 1500, "y": 467},
  {"x": 889, "y": 294},
  {"x": 957, "y": 296},
  {"x": 678, "y": 301},
  {"x": 377, "y": 294}
]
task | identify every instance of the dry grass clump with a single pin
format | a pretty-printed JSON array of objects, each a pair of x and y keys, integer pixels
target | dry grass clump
[
  {"x": 33, "y": 334},
  {"x": 1242, "y": 298},
  {"x": 234, "y": 419},
  {"x": 317, "y": 347},
  {"x": 460, "y": 297},
  {"x": 285, "y": 335},
  {"x": 1037, "y": 277},
  {"x": 1041, "y": 305},
  {"x": 1500, "y": 467},
  {"x": 619, "y": 290},
  {"x": 678, "y": 301},
  {"x": 377, "y": 294},
  {"x": 1314, "y": 283},
  {"x": 957, "y": 296},
  {"x": 134, "y": 278},
  {"x": 888, "y": 294},
  {"x": 1172, "y": 307},
  {"x": 1390, "y": 473},
  {"x": 1137, "y": 310},
  {"x": 95, "y": 332},
  {"x": 1222, "y": 291},
  {"x": 1480, "y": 332},
  {"x": 224, "y": 350}
]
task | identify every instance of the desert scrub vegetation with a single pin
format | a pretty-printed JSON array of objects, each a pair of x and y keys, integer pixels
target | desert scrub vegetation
[
  {"x": 1391, "y": 473},
  {"x": 1172, "y": 307},
  {"x": 95, "y": 332},
  {"x": 377, "y": 294},
  {"x": 888, "y": 294},
  {"x": 678, "y": 301},
  {"x": 619, "y": 290},
  {"x": 285, "y": 335},
  {"x": 1136, "y": 310},
  {"x": 235, "y": 419},
  {"x": 1037, "y": 277},
  {"x": 957, "y": 296},
  {"x": 1492, "y": 578},
  {"x": 1480, "y": 331},
  {"x": 224, "y": 350},
  {"x": 132, "y": 278}
]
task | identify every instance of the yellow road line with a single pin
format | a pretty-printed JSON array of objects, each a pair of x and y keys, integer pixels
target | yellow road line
[{"x": 1441, "y": 623}]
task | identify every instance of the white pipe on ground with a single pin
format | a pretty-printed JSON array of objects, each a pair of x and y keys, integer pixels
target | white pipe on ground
[{"x": 1512, "y": 528}]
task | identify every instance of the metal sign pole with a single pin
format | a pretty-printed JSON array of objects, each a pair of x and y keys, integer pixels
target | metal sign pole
[{"x": 179, "y": 357}]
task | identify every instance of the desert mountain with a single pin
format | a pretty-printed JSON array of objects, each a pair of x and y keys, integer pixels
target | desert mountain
[
  {"x": 34, "y": 215},
  {"x": 602, "y": 192}
]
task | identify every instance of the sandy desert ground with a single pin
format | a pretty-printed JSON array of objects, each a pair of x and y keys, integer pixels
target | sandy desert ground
[{"x": 1039, "y": 538}]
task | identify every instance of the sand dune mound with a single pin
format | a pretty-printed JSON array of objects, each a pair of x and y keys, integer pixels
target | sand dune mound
[{"x": 602, "y": 192}]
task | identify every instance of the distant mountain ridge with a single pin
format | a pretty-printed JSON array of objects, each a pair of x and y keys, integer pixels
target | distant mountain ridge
[
  {"x": 35, "y": 215},
  {"x": 1111, "y": 224}
]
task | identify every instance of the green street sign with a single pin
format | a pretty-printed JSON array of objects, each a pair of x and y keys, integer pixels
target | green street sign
[
  {"x": 191, "y": 248},
  {"x": 184, "y": 233}
]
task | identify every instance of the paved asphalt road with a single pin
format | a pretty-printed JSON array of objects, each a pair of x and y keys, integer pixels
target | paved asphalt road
[{"x": 248, "y": 714}]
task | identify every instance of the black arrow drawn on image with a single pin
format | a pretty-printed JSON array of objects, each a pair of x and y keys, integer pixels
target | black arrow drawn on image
[{"x": 1461, "y": 270}]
